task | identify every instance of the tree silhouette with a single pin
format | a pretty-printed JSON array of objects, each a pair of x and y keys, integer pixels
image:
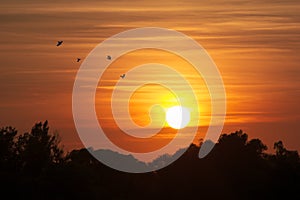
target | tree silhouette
[
  {"x": 33, "y": 166},
  {"x": 38, "y": 149},
  {"x": 7, "y": 147}
]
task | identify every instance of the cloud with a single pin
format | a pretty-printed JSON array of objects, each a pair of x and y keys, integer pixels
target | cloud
[{"x": 254, "y": 43}]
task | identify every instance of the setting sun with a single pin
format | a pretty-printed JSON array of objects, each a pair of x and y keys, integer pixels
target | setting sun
[{"x": 178, "y": 117}]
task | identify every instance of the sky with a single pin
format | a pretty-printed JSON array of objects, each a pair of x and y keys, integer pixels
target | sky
[{"x": 255, "y": 45}]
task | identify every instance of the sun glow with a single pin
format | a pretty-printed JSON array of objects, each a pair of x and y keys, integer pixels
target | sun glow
[{"x": 178, "y": 117}]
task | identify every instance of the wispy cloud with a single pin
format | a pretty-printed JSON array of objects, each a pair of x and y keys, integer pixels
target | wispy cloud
[{"x": 254, "y": 43}]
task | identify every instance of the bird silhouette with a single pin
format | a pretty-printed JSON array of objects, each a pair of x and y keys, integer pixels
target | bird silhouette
[
  {"x": 78, "y": 59},
  {"x": 122, "y": 76},
  {"x": 59, "y": 43},
  {"x": 108, "y": 57}
]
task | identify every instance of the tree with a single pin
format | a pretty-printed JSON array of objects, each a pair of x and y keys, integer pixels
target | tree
[
  {"x": 38, "y": 149},
  {"x": 7, "y": 147},
  {"x": 284, "y": 155},
  {"x": 256, "y": 147}
]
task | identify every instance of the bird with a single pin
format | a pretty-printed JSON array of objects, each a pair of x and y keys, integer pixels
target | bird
[
  {"x": 108, "y": 57},
  {"x": 122, "y": 76},
  {"x": 59, "y": 43},
  {"x": 78, "y": 59}
]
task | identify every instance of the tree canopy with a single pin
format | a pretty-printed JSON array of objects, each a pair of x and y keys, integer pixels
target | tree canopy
[{"x": 33, "y": 165}]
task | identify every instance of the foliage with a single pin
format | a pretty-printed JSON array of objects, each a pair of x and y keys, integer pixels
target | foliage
[{"x": 34, "y": 166}]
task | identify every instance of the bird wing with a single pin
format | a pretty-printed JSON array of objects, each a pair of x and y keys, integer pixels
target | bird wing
[{"x": 59, "y": 43}]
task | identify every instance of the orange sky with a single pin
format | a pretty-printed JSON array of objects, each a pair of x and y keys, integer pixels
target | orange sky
[
  {"x": 150, "y": 94},
  {"x": 254, "y": 43}
]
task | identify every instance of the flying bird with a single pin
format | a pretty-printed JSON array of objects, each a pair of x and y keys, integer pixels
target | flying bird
[
  {"x": 78, "y": 59},
  {"x": 122, "y": 76},
  {"x": 59, "y": 43},
  {"x": 108, "y": 57}
]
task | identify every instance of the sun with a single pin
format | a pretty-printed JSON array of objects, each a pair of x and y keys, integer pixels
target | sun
[{"x": 178, "y": 117}]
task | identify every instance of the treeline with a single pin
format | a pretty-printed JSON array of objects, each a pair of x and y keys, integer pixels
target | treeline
[{"x": 34, "y": 166}]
